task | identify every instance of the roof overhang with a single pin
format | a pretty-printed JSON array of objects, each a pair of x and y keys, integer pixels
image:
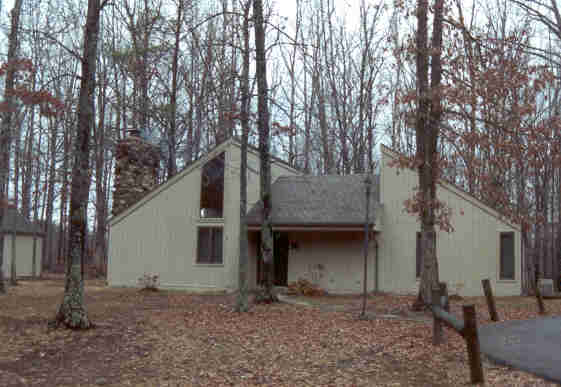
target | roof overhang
[{"x": 314, "y": 227}]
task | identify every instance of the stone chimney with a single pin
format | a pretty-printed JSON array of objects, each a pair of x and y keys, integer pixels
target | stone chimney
[{"x": 136, "y": 171}]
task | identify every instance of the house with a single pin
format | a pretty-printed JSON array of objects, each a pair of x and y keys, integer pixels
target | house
[
  {"x": 318, "y": 223},
  {"x": 29, "y": 240},
  {"x": 186, "y": 230}
]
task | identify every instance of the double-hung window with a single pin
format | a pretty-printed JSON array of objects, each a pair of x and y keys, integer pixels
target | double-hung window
[{"x": 209, "y": 245}]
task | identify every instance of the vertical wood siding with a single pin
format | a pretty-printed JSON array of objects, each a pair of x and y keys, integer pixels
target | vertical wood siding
[
  {"x": 160, "y": 236},
  {"x": 465, "y": 257},
  {"x": 24, "y": 258}
]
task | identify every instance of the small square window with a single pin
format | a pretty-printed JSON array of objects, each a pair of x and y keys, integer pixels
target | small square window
[{"x": 209, "y": 245}]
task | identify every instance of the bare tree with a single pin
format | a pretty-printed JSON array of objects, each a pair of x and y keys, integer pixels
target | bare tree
[
  {"x": 429, "y": 113},
  {"x": 242, "y": 304},
  {"x": 264, "y": 150},
  {"x": 6, "y": 128},
  {"x": 72, "y": 312}
]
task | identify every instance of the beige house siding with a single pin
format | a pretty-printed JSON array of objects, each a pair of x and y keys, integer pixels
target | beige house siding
[
  {"x": 465, "y": 257},
  {"x": 233, "y": 199},
  {"x": 159, "y": 234},
  {"x": 333, "y": 260},
  {"x": 24, "y": 255}
]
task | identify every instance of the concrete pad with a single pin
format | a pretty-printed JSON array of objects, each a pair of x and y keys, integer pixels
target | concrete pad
[{"x": 530, "y": 345}]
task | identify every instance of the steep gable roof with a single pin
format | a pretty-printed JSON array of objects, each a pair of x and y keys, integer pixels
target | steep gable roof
[
  {"x": 22, "y": 225},
  {"x": 331, "y": 200},
  {"x": 187, "y": 170},
  {"x": 461, "y": 193}
]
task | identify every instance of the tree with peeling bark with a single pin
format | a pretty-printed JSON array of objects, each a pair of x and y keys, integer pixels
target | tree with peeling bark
[
  {"x": 264, "y": 152},
  {"x": 72, "y": 312},
  {"x": 427, "y": 122}
]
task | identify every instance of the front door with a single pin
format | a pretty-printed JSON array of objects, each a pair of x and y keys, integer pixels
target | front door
[
  {"x": 280, "y": 252},
  {"x": 280, "y": 249}
]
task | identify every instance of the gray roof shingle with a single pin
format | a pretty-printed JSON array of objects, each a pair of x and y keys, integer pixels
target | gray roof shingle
[
  {"x": 23, "y": 226},
  {"x": 330, "y": 200}
]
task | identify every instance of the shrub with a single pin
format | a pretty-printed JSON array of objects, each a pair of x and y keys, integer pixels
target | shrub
[
  {"x": 305, "y": 288},
  {"x": 149, "y": 282}
]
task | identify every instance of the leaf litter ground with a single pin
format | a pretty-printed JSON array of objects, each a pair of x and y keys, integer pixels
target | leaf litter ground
[{"x": 170, "y": 338}]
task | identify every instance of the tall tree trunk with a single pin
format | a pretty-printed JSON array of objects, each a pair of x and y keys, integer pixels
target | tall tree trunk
[
  {"x": 172, "y": 130},
  {"x": 72, "y": 312},
  {"x": 47, "y": 256},
  {"x": 242, "y": 304},
  {"x": 13, "y": 260},
  {"x": 36, "y": 196},
  {"x": 13, "y": 252},
  {"x": 17, "y": 162},
  {"x": 62, "y": 230},
  {"x": 5, "y": 129},
  {"x": 427, "y": 128},
  {"x": 101, "y": 203},
  {"x": 367, "y": 224},
  {"x": 27, "y": 175},
  {"x": 264, "y": 150}
]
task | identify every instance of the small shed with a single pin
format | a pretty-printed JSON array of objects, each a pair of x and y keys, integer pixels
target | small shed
[{"x": 29, "y": 243}]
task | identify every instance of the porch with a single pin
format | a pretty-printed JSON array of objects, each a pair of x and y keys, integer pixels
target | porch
[{"x": 330, "y": 259}]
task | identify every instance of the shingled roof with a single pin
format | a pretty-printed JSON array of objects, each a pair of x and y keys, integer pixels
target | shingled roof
[
  {"x": 23, "y": 226},
  {"x": 330, "y": 200}
]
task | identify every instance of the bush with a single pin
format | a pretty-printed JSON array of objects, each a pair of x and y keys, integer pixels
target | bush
[
  {"x": 304, "y": 287},
  {"x": 149, "y": 282}
]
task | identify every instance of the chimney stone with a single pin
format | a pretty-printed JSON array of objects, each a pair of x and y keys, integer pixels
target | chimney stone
[{"x": 136, "y": 171}]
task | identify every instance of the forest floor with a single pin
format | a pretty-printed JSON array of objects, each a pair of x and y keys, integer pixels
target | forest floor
[{"x": 172, "y": 338}]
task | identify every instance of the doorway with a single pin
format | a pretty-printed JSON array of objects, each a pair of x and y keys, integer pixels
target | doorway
[{"x": 280, "y": 252}]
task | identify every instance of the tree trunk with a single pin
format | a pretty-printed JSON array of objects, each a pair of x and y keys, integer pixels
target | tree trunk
[
  {"x": 13, "y": 264},
  {"x": 62, "y": 229},
  {"x": 100, "y": 172},
  {"x": 264, "y": 151},
  {"x": 5, "y": 130},
  {"x": 172, "y": 130},
  {"x": 17, "y": 163},
  {"x": 368, "y": 186},
  {"x": 27, "y": 165},
  {"x": 2, "y": 284},
  {"x": 72, "y": 312},
  {"x": 242, "y": 304},
  {"x": 36, "y": 197},
  {"x": 427, "y": 128}
]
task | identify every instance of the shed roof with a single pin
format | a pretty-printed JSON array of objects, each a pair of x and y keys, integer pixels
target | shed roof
[
  {"x": 330, "y": 200},
  {"x": 23, "y": 226}
]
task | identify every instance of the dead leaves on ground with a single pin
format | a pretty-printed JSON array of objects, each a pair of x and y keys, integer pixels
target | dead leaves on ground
[{"x": 174, "y": 338}]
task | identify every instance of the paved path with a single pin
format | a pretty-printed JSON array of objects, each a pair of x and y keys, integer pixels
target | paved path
[{"x": 529, "y": 345}]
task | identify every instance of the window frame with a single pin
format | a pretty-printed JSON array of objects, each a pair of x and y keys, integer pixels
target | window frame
[
  {"x": 210, "y": 262},
  {"x": 418, "y": 264},
  {"x": 220, "y": 161},
  {"x": 500, "y": 256}
]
